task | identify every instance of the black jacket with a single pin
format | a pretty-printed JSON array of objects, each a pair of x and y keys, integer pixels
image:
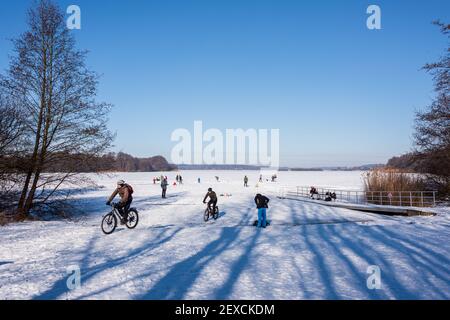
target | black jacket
[
  {"x": 212, "y": 196},
  {"x": 261, "y": 201}
]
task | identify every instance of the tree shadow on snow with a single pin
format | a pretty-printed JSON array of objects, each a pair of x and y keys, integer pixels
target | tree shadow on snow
[
  {"x": 176, "y": 283},
  {"x": 336, "y": 258},
  {"x": 89, "y": 271},
  {"x": 142, "y": 202},
  {"x": 342, "y": 254}
]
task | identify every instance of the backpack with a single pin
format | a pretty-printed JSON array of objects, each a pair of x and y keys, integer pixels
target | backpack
[{"x": 130, "y": 189}]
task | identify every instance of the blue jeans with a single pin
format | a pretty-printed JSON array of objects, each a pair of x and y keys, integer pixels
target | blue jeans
[{"x": 262, "y": 222}]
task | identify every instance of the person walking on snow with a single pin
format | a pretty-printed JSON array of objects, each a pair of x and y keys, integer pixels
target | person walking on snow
[
  {"x": 262, "y": 205},
  {"x": 164, "y": 185},
  {"x": 245, "y": 181}
]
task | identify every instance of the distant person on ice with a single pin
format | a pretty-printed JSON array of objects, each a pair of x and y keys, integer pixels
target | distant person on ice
[
  {"x": 245, "y": 181},
  {"x": 313, "y": 191},
  {"x": 212, "y": 203},
  {"x": 125, "y": 191},
  {"x": 164, "y": 185},
  {"x": 262, "y": 205}
]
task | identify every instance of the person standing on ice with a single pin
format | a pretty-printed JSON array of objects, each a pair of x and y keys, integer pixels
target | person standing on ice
[
  {"x": 245, "y": 181},
  {"x": 262, "y": 206},
  {"x": 125, "y": 191},
  {"x": 164, "y": 185}
]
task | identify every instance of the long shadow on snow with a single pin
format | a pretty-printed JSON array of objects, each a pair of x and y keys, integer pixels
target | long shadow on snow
[
  {"x": 87, "y": 272},
  {"x": 238, "y": 267},
  {"x": 325, "y": 244},
  {"x": 340, "y": 242},
  {"x": 324, "y": 271},
  {"x": 422, "y": 258},
  {"x": 157, "y": 200},
  {"x": 375, "y": 237},
  {"x": 60, "y": 286},
  {"x": 177, "y": 282},
  {"x": 366, "y": 248}
]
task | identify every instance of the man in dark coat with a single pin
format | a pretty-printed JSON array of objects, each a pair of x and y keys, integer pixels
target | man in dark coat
[{"x": 262, "y": 205}]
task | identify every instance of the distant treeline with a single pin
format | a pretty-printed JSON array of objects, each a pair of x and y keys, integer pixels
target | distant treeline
[
  {"x": 126, "y": 163},
  {"x": 436, "y": 163},
  {"x": 83, "y": 163},
  {"x": 356, "y": 168},
  {"x": 217, "y": 167},
  {"x": 306, "y": 169},
  {"x": 252, "y": 167},
  {"x": 407, "y": 162}
]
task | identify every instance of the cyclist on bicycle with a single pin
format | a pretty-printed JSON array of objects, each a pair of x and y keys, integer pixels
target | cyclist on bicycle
[
  {"x": 125, "y": 192},
  {"x": 212, "y": 199}
]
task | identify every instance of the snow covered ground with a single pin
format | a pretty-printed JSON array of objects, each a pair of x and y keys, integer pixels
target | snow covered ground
[{"x": 309, "y": 251}]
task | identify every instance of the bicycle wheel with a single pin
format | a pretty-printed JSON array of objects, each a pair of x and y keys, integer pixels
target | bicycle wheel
[
  {"x": 133, "y": 219},
  {"x": 216, "y": 213},
  {"x": 109, "y": 223},
  {"x": 206, "y": 215}
]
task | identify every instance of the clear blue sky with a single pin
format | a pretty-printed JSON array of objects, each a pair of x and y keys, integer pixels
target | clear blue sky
[{"x": 339, "y": 93}]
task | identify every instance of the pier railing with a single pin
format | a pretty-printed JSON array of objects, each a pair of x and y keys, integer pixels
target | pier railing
[{"x": 389, "y": 198}]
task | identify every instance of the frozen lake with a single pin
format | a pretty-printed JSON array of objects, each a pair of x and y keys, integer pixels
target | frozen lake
[{"x": 309, "y": 251}]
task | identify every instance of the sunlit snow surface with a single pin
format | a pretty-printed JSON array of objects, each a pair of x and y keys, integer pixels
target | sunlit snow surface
[{"x": 309, "y": 251}]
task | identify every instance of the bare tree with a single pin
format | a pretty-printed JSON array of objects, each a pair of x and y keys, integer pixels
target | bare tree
[
  {"x": 11, "y": 141},
  {"x": 432, "y": 135},
  {"x": 10, "y": 127},
  {"x": 57, "y": 92}
]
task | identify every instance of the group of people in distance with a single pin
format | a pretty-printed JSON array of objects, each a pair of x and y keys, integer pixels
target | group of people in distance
[
  {"x": 329, "y": 196},
  {"x": 125, "y": 192},
  {"x": 273, "y": 179},
  {"x": 164, "y": 183}
]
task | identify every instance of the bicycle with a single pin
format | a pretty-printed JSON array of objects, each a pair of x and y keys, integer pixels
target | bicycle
[
  {"x": 209, "y": 212},
  {"x": 109, "y": 222}
]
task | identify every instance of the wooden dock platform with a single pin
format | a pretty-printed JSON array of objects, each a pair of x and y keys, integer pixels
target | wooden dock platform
[{"x": 386, "y": 210}]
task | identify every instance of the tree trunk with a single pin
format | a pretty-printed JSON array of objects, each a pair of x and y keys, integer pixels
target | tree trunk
[
  {"x": 23, "y": 205},
  {"x": 48, "y": 120}
]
